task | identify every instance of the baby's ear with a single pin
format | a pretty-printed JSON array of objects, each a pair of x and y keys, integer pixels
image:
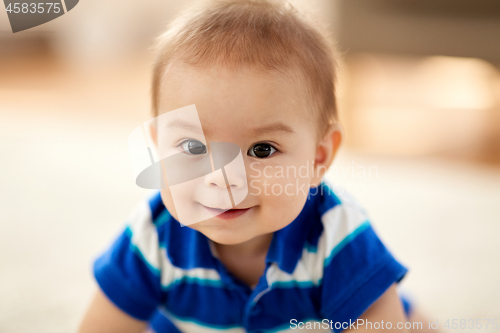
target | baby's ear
[{"x": 325, "y": 153}]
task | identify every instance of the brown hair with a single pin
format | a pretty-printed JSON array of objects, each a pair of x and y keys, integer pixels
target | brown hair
[{"x": 267, "y": 34}]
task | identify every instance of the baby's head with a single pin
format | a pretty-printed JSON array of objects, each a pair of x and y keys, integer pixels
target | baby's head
[{"x": 261, "y": 77}]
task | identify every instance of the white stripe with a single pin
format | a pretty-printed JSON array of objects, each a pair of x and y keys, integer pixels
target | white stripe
[
  {"x": 144, "y": 234},
  {"x": 338, "y": 223},
  {"x": 171, "y": 274},
  {"x": 299, "y": 275}
]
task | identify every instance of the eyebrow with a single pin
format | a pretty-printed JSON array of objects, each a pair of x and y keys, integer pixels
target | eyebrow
[
  {"x": 272, "y": 128},
  {"x": 181, "y": 124}
]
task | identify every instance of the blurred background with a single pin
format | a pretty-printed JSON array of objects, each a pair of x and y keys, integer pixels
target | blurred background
[{"x": 420, "y": 106}]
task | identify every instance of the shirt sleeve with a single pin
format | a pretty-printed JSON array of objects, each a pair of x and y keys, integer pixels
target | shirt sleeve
[
  {"x": 128, "y": 272},
  {"x": 358, "y": 268}
]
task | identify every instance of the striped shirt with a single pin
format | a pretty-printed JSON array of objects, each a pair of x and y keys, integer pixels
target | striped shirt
[{"x": 328, "y": 264}]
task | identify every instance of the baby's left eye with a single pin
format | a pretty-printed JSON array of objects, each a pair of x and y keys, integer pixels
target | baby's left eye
[
  {"x": 261, "y": 150},
  {"x": 193, "y": 147}
]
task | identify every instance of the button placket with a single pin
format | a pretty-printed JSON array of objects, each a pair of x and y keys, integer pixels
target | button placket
[{"x": 253, "y": 308}]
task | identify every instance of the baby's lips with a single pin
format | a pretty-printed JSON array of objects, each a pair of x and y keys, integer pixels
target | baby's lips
[
  {"x": 226, "y": 209},
  {"x": 218, "y": 208}
]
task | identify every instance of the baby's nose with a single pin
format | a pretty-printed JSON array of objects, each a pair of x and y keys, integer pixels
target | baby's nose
[
  {"x": 224, "y": 177},
  {"x": 229, "y": 170},
  {"x": 216, "y": 178},
  {"x": 227, "y": 158}
]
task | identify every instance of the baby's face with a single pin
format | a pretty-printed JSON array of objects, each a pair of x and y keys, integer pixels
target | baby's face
[{"x": 268, "y": 117}]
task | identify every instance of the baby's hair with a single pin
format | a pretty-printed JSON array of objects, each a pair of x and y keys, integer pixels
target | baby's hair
[{"x": 265, "y": 34}]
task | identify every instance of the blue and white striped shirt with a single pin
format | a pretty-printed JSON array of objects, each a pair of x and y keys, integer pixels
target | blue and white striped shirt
[{"x": 327, "y": 264}]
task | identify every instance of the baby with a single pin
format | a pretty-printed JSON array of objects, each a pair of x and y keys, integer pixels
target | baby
[{"x": 290, "y": 253}]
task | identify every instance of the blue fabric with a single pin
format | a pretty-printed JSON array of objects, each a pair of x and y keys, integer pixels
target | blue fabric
[
  {"x": 328, "y": 263},
  {"x": 130, "y": 284},
  {"x": 407, "y": 305}
]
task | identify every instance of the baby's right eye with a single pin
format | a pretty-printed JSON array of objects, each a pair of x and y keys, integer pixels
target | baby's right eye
[
  {"x": 193, "y": 147},
  {"x": 261, "y": 150}
]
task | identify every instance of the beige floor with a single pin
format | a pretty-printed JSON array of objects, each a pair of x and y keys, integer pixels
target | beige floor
[{"x": 66, "y": 188}]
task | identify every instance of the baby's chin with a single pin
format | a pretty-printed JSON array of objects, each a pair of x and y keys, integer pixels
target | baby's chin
[
  {"x": 226, "y": 239},
  {"x": 224, "y": 235}
]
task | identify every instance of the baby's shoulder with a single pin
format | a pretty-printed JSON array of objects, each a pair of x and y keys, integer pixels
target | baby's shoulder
[
  {"x": 149, "y": 213},
  {"x": 351, "y": 264},
  {"x": 339, "y": 217},
  {"x": 146, "y": 224}
]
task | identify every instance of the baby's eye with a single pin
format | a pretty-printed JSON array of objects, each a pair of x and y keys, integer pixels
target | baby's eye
[
  {"x": 261, "y": 150},
  {"x": 193, "y": 147}
]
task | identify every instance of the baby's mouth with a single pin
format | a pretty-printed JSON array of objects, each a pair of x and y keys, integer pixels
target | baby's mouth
[{"x": 228, "y": 213}]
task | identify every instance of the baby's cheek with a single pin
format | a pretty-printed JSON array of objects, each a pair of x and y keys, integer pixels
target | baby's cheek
[
  {"x": 283, "y": 209},
  {"x": 166, "y": 197},
  {"x": 283, "y": 197},
  {"x": 280, "y": 182}
]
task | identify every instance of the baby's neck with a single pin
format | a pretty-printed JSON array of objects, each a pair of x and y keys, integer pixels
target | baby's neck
[
  {"x": 254, "y": 247},
  {"x": 246, "y": 261}
]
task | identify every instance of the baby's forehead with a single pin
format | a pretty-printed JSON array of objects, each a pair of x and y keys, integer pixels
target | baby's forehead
[
  {"x": 244, "y": 87},
  {"x": 187, "y": 121},
  {"x": 242, "y": 100}
]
